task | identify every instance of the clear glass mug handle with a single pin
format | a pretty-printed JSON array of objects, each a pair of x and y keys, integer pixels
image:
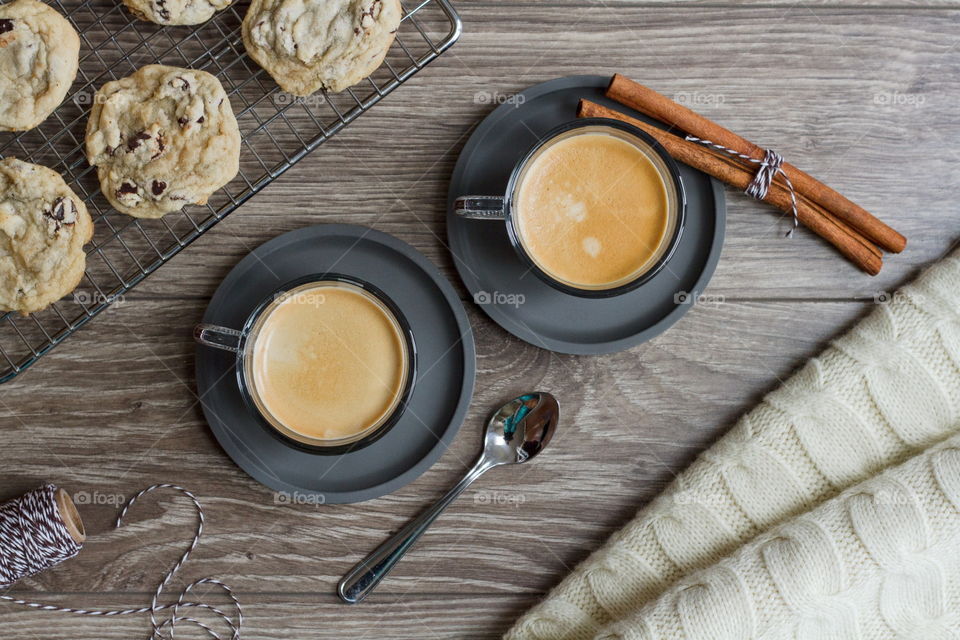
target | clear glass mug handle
[
  {"x": 480, "y": 207},
  {"x": 211, "y": 335}
]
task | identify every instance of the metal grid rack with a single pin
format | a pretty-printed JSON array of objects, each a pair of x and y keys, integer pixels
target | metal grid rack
[{"x": 277, "y": 130}]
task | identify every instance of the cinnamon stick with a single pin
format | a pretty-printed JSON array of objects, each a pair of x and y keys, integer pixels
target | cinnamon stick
[
  {"x": 816, "y": 208},
  {"x": 658, "y": 106},
  {"x": 860, "y": 253}
]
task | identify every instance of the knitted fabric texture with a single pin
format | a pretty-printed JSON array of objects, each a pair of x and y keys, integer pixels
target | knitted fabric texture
[
  {"x": 882, "y": 393},
  {"x": 878, "y": 562}
]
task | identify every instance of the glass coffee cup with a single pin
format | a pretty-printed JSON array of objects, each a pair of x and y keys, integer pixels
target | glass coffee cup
[
  {"x": 595, "y": 208},
  {"x": 327, "y": 363}
]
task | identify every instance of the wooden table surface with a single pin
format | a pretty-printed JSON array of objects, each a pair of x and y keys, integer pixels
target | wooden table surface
[{"x": 863, "y": 96}]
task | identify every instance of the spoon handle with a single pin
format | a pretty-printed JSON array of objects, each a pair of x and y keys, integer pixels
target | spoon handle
[{"x": 367, "y": 574}]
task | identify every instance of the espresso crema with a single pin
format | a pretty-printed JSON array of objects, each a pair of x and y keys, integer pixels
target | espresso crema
[
  {"x": 591, "y": 211},
  {"x": 329, "y": 362}
]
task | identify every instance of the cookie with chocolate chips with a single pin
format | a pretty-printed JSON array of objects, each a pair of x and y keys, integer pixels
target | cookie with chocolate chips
[
  {"x": 39, "y": 55},
  {"x": 43, "y": 227},
  {"x": 308, "y": 45},
  {"x": 162, "y": 138},
  {"x": 176, "y": 12}
]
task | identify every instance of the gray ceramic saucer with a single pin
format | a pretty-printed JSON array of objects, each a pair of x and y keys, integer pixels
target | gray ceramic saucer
[
  {"x": 446, "y": 363},
  {"x": 517, "y": 300}
]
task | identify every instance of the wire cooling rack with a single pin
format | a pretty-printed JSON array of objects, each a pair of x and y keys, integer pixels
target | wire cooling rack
[{"x": 278, "y": 130}]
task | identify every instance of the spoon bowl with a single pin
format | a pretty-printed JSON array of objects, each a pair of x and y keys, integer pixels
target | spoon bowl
[{"x": 520, "y": 429}]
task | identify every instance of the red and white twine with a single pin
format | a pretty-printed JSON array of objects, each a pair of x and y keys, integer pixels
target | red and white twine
[{"x": 33, "y": 538}]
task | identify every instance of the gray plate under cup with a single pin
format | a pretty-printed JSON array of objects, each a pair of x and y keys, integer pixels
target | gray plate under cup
[
  {"x": 527, "y": 307},
  {"x": 445, "y": 352}
]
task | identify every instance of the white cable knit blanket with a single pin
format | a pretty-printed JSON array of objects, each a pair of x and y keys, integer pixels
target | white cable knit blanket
[
  {"x": 883, "y": 393},
  {"x": 879, "y": 562}
]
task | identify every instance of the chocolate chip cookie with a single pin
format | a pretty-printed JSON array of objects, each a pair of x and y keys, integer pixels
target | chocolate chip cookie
[
  {"x": 176, "y": 12},
  {"x": 43, "y": 227},
  {"x": 162, "y": 138},
  {"x": 308, "y": 45},
  {"x": 39, "y": 55}
]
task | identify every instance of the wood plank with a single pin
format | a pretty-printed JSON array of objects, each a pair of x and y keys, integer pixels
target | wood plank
[
  {"x": 114, "y": 410},
  {"x": 289, "y": 617}
]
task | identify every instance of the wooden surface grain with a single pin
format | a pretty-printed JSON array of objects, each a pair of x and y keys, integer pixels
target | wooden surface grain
[{"x": 860, "y": 94}]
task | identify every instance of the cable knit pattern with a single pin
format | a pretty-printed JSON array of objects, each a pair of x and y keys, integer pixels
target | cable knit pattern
[
  {"x": 879, "y": 561},
  {"x": 882, "y": 393}
]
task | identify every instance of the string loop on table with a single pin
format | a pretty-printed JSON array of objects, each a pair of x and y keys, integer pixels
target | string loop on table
[{"x": 33, "y": 538}]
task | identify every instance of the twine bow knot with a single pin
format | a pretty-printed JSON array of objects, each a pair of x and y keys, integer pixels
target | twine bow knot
[{"x": 767, "y": 170}]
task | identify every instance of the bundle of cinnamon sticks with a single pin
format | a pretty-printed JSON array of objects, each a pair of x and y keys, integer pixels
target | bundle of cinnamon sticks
[{"x": 854, "y": 231}]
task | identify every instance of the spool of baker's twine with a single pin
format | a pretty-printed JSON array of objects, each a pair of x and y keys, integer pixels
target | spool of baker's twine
[{"x": 41, "y": 529}]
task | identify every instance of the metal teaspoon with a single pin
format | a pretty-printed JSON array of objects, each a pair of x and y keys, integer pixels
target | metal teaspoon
[{"x": 514, "y": 434}]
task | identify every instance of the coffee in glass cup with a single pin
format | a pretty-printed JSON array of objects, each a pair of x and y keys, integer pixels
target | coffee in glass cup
[
  {"x": 327, "y": 362},
  {"x": 595, "y": 208}
]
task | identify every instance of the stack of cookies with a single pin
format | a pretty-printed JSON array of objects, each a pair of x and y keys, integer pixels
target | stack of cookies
[{"x": 161, "y": 138}]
